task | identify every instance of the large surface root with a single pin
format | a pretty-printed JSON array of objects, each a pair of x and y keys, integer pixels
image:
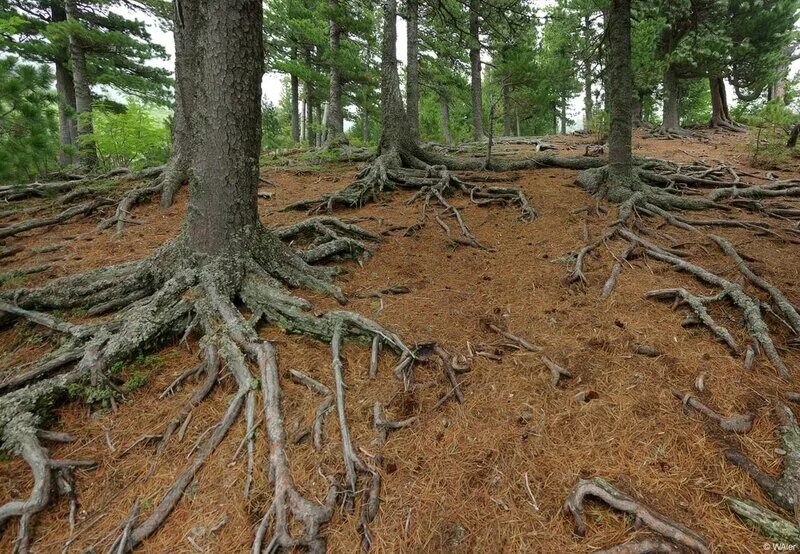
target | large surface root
[
  {"x": 642, "y": 514},
  {"x": 180, "y": 293},
  {"x": 433, "y": 183}
]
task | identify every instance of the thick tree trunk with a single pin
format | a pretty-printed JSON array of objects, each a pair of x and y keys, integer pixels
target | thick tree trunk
[
  {"x": 333, "y": 121},
  {"x": 620, "y": 93},
  {"x": 395, "y": 133},
  {"x": 226, "y": 137},
  {"x": 295, "y": 100},
  {"x": 444, "y": 120},
  {"x": 587, "y": 80},
  {"x": 67, "y": 126},
  {"x": 412, "y": 76},
  {"x": 670, "y": 119},
  {"x": 476, "y": 87},
  {"x": 508, "y": 118},
  {"x": 83, "y": 93}
]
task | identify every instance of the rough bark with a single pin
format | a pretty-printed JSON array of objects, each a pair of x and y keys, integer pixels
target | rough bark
[
  {"x": 637, "y": 115},
  {"x": 412, "y": 69},
  {"x": 224, "y": 147},
  {"x": 476, "y": 86},
  {"x": 83, "y": 92},
  {"x": 669, "y": 119},
  {"x": 620, "y": 91},
  {"x": 333, "y": 119}
]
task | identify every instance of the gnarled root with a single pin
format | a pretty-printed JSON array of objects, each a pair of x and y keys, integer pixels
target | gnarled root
[
  {"x": 603, "y": 490},
  {"x": 765, "y": 520},
  {"x": 433, "y": 182},
  {"x": 181, "y": 292},
  {"x": 785, "y": 491}
]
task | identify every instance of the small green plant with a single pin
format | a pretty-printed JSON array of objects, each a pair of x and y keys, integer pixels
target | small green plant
[{"x": 772, "y": 123}]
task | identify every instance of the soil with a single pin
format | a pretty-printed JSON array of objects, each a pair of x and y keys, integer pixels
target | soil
[{"x": 488, "y": 475}]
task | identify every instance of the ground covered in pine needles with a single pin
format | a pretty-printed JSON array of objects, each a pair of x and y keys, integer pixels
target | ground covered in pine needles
[{"x": 490, "y": 474}]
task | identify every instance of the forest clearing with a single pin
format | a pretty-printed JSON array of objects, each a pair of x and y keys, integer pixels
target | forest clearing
[{"x": 367, "y": 318}]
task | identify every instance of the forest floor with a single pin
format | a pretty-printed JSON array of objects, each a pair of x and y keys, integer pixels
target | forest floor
[{"x": 490, "y": 474}]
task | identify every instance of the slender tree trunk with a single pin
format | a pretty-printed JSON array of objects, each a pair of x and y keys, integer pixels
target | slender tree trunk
[
  {"x": 333, "y": 121},
  {"x": 67, "y": 127},
  {"x": 563, "y": 116},
  {"x": 620, "y": 94},
  {"x": 295, "y": 93},
  {"x": 309, "y": 116},
  {"x": 637, "y": 115},
  {"x": 223, "y": 123},
  {"x": 587, "y": 80},
  {"x": 507, "y": 111},
  {"x": 519, "y": 133},
  {"x": 476, "y": 86},
  {"x": 83, "y": 93},
  {"x": 444, "y": 120},
  {"x": 412, "y": 75},
  {"x": 670, "y": 119},
  {"x": 320, "y": 120}
]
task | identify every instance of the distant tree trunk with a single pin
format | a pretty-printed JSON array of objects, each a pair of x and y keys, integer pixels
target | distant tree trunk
[
  {"x": 222, "y": 196},
  {"x": 320, "y": 121},
  {"x": 476, "y": 86},
  {"x": 444, "y": 120},
  {"x": 83, "y": 92},
  {"x": 554, "y": 113},
  {"x": 519, "y": 133},
  {"x": 507, "y": 115},
  {"x": 65, "y": 87},
  {"x": 792, "y": 142},
  {"x": 67, "y": 126},
  {"x": 295, "y": 93},
  {"x": 333, "y": 121},
  {"x": 412, "y": 69},
  {"x": 309, "y": 115},
  {"x": 563, "y": 116},
  {"x": 620, "y": 93},
  {"x": 720, "y": 115},
  {"x": 670, "y": 119},
  {"x": 777, "y": 91},
  {"x": 637, "y": 115},
  {"x": 587, "y": 80}
]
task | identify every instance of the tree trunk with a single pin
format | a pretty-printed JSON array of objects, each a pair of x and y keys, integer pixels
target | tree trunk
[
  {"x": 563, "y": 116},
  {"x": 65, "y": 87},
  {"x": 720, "y": 115},
  {"x": 309, "y": 116},
  {"x": 476, "y": 87},
  {"x": 223, "y": 123},
  {"x": 620, "y": 93},
  {"x": 83, "y": 93},
  {"x": 412, "y": 75},
  {"x": 587, "y": 80},
  {"x": 67, "y": 127},
  {"x": 792, "y": 142},
  {"x": 670, "y": 118},
  {"x": 295, "y": 93},
  {"x": 395, "y": 127},
  {"x": 637, "y": 115},
  {"x": 508, "y": 119},
  {"x": 444, "y": 120},
  {"x": 333, "y": 121},
  {"x": 519, "y": 133}
]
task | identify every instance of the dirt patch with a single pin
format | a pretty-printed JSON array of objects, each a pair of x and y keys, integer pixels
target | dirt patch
[{"x": 490, "y": 474}]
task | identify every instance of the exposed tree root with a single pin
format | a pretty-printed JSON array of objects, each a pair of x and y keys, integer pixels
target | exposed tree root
[
  {"x": 766, "y": 521},
  {"x": 784, "y": 491},
  {"x": 178, "y": 293},
  {"x": 66, "y": 215},
  {"x": 736, "y": 423},
  {"x": 644, "y": 515},
  {"x": 643, "y": 546}
]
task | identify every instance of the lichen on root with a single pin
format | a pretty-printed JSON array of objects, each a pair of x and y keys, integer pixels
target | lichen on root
[{"x": 178, "y": 292}]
